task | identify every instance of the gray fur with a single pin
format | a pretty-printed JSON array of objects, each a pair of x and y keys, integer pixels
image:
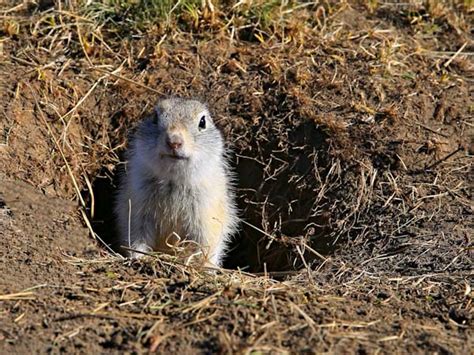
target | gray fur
[{"x": 169, "y": 195}]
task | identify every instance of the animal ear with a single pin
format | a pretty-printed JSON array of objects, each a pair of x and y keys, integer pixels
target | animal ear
[
  {"x": 158, "y": 110},
  {"x": 157, "y": 113}
]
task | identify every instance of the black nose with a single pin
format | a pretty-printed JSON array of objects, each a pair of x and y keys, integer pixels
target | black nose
[{"x": 174, "y": 142}]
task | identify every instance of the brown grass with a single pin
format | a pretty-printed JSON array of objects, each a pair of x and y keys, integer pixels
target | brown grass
[{"x": 350, "y": 126}]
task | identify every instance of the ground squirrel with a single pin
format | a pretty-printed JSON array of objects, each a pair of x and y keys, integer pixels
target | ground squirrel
[{"x": 176, "y": 183}]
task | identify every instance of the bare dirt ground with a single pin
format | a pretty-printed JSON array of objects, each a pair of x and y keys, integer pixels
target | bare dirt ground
[{"x": 350, "y": 126}]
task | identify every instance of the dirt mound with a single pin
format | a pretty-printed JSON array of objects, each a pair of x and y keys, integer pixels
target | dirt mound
[{"x": 350, "y": 127}]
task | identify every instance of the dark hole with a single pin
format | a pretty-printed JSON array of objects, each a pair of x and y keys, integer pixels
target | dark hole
[
  {"x": 282, "y": 206},
  {"x": 101, "y": 214},
  {"x": 279, "y": 212}
]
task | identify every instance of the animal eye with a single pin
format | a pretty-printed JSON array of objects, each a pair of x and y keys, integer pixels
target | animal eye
[{"x": 202, "y": 122}]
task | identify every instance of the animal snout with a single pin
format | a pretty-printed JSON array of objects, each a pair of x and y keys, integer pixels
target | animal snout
[{"x": 174, "y": 141}]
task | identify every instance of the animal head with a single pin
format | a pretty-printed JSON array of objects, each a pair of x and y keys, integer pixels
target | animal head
[{"x": 179, "y": 135}]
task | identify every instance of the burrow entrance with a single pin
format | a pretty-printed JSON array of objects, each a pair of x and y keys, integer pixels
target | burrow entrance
[{"x": 283, "y": 194}]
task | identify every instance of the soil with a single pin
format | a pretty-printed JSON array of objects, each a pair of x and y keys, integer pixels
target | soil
[{"x": 349, "y": 127}]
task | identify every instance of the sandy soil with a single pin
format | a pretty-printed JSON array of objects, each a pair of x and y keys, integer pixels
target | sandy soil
[{"x": 351, "y": 133}]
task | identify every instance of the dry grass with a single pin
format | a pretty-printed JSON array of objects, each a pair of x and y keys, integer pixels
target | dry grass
[
  {"x": 349, "y": 124},
  {"x": 90, "y": 32}
]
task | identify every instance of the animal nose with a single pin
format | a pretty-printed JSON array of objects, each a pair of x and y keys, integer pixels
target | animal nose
[{"x": 174, "y": 141}]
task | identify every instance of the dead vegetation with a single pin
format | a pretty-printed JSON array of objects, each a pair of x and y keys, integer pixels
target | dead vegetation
[{"x": 350, "y": 125}]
